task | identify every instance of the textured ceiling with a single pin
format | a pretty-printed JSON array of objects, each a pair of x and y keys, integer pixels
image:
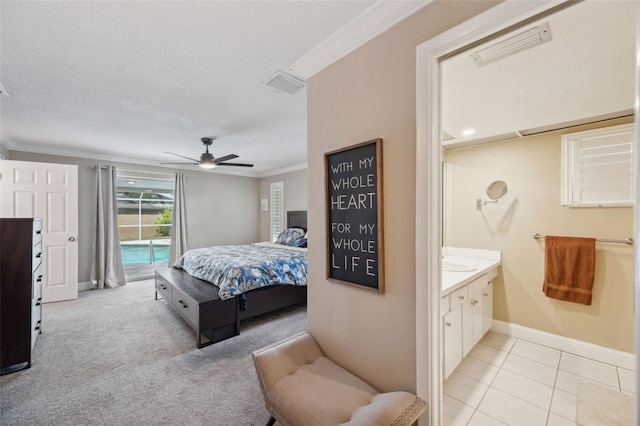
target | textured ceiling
[{"x": 127, "y": 80}]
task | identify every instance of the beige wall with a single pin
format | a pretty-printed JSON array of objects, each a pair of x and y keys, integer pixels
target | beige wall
[
  {"x": 221, "y": 209},
  {"x": 531, "y": 168},
  {"x": 295, "y": 197},
  {"x": 371, "y": 93}
]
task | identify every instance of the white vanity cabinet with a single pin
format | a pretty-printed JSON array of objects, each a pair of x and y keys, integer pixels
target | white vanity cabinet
[
  {"x": 452, "y": 322},
  {"x": 467, "y": 314}
]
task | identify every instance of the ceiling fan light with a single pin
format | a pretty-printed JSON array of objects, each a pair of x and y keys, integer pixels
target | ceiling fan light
[{"x": 207, "y": 165}]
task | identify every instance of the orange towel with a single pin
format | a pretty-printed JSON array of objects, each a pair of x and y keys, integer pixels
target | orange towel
[{"x": 569, "y": 268}]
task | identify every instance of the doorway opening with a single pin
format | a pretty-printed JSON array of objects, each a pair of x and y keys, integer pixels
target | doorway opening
[
  {"x": 429, "y": 179},
  {"x": 145, "y": 211}
]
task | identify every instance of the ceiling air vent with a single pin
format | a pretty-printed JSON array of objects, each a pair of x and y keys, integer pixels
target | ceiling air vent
[
  {"x": 517, "y": 43},
  {"x": 286, "y": 82}
]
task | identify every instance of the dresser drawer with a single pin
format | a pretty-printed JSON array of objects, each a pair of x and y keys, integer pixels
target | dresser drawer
[
  {"x": 37, "y": 232},
  {"x": 36, "y": 256},
  {"x": 477, "y": 285},
  {"x": 186, "y": 306},
  {"x": 36, "y": 325},
  {"x": 458, "y": 297},
  {"x": 164, "y": 288},
  {"x": 36, "y": 281},
  {"x": 37, "y": 295}
]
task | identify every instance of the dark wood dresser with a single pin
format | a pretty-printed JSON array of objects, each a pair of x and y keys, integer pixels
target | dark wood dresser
[{"x": 20, "y": 291}]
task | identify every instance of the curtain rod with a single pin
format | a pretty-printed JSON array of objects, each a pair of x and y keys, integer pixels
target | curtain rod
[
  {"x": 628, "y": 241},
  {"x": 134, "y": 173}
]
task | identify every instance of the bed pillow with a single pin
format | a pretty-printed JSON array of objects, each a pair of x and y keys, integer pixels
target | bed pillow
[
  {"x": 300, "y": 242},
  {"x": 289, "y": 235}
]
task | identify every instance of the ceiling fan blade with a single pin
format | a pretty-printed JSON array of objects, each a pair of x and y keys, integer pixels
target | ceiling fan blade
[
  {"x": 188, "y": 158},
  {"x": 226, "y": 158},
  {"x": 236, "y": 164},
  {"x": 193, "y": 164}
]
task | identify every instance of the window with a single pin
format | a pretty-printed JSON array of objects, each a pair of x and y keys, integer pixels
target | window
[
  {"x": 145, "y": 211},
  {"x": 277, "y": 209},
  {"x": 597, "y": 167}
]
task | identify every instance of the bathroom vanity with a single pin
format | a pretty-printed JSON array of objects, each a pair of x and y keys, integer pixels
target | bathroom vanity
[{"x": 466, "y": 304}]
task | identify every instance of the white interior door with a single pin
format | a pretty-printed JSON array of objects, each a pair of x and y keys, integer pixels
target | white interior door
[{"x": 50, "y": 192}]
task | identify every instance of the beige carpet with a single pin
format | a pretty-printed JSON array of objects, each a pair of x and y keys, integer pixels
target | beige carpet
[{"x": 602, "y": 406}]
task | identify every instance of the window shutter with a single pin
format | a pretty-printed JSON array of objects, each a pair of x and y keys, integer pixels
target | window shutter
[
  {"x": 277, "y": 209},
  {"x": 598, "y": 167}
]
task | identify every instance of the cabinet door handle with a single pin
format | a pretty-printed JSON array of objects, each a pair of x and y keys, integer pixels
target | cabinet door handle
[
  {"x": 39, "y": 278},
  {"x": 474, "y": 302},
  {"x": 39, "y": 255},
  {"x": 485, "y": 294},
  {"x": 184, "y": 305},
  {"x": 461, "y": 297},
  {"x": 38, "y": 232},
  {"x": 448, "y": 324}
]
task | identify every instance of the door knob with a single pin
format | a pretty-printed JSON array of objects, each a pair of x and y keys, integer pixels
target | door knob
[{"x": 72, "y": 239}]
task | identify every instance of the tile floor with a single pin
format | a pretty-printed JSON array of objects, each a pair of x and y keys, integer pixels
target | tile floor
[{"x": 508, "y": 381}]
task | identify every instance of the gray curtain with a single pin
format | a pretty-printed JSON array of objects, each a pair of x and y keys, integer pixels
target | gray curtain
[
  {"x": 179, "y": 244},
  {"x": 106, "y": 262}
]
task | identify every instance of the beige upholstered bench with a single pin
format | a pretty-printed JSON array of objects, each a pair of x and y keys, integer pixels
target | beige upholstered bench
[{"x": 302, "y": 387}]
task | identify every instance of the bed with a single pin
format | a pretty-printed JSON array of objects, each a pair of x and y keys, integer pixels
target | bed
[{"x": 215, "y": 311}]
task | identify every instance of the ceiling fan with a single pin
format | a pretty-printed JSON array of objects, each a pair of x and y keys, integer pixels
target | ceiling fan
[{"x": 207, "y": 160}]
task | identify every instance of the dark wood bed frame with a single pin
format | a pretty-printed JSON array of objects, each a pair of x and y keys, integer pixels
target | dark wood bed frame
[{"x": 213, "y": 319}]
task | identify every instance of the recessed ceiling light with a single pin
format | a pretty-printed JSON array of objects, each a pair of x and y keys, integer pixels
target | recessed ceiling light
[
  {"x": 131, "y": 182},
  {"x": 468, "y": 132}
]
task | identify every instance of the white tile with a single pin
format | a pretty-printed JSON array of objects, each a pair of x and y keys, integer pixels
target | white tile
[
  {"x": 568, "y": 382},
  {"x": 594, "y": 370},
  {"x": 556, "y": 420},
  {"x": 498, "y": 341},
  {"x": 535, "y": 352},
  {"x": 464, "y": 389},
  {"x": 481, "y": 419},
  {"x": 477, "y": 369},
  {"x": 511, "y": 410},
  {"x": 627, "y": 380},
  {"x": 532, "y": 369},
  {"x": 455, "y": 413},
  {"x": 488, "y": 354},
  {"x": 564, "y": 404},
  {"x": 524, "y": 388}
]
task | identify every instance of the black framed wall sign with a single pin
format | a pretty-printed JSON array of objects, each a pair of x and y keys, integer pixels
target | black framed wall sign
[{"x": 355, "y": 249}]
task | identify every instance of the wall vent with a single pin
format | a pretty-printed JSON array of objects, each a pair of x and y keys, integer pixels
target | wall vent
[
  {"x": 286, "y": 82},
  {"x": 516, "y": 43}
]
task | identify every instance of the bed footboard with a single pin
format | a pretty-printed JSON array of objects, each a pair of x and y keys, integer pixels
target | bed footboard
[{"x": 213, "y": 319}]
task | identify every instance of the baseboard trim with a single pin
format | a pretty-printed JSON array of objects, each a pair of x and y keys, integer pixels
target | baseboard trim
[
  {"x": 615, "y": 357},
  {"x": 86, "y": 285}
]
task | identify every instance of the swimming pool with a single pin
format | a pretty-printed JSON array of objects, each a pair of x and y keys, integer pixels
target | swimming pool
[{"x": 144, "y": 253}]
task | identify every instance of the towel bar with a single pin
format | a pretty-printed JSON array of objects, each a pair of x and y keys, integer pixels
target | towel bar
[{"x": 628, "y": 241}]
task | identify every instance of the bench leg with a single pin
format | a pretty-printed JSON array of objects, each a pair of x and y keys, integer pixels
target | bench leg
[{"x": 271, "y": 421}]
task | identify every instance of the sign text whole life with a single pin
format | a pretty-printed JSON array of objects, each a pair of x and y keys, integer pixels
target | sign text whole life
[{"x": 353, "y": 216}]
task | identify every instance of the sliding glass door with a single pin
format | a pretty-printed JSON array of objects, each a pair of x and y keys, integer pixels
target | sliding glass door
[{"x": 145, "y": 210}]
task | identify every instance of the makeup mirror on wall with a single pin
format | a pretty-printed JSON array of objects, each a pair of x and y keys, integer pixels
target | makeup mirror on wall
[{"x": 497, "y": 190}]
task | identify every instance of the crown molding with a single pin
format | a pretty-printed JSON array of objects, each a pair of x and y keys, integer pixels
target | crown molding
[
  {"x": 374, "y": 21},
  {"x": 283, "y": 170}
]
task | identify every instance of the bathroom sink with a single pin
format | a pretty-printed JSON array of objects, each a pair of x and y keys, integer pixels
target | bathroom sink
[{"x": 457, "y": 267}]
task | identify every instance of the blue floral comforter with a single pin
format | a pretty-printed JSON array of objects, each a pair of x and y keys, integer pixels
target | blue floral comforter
[{"x": 238, "y": 269}]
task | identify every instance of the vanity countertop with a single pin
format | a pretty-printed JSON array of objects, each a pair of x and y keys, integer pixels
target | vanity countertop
[{"x": 482, "y": 261}]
